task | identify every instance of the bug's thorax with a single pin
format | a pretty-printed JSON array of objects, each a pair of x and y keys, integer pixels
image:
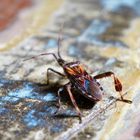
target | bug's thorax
[{"x": 74, "y": 68}]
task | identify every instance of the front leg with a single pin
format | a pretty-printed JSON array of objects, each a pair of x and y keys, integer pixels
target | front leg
[
  {"x": 117, "y": 83},
  {"x": 52, "y": 70}
]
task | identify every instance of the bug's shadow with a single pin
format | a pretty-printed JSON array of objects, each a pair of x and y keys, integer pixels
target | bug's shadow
[
  {"x": 38, "y": 101},
  {"x": 69, "y": 112},
  {"x": 82, "y": 102}
]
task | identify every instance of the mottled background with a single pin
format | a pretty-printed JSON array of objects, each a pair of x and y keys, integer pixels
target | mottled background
[{"x": 103, "y": 34}]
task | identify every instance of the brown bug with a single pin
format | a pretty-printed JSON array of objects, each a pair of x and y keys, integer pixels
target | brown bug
[{"x": 81, "y": 80}]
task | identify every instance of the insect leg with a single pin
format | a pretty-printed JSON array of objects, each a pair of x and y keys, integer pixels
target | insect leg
[
  {"x": 68, "y": 87},
  {"x": 52, "y": 70},
  {"x": 117, "y": 83},
  {"x": 59, "y": 99}
]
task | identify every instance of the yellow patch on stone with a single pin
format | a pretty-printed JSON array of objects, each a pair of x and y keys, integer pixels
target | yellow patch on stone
[
  {"x": 131, "y": 79},
  {"x": 38, "y": 20}
]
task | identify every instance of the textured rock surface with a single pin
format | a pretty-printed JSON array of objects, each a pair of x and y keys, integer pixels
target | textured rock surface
[{"x": 103, "y": 35}]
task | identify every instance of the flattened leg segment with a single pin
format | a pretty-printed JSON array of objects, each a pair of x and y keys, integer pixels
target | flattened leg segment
[{"x": 117, "y": 84}]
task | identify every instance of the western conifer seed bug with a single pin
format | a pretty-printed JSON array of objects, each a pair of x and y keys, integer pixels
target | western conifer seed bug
[{"x": 81, "y": 80}]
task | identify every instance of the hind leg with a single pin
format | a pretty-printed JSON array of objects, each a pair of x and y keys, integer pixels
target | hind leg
[{"x": 117, "y": 84}]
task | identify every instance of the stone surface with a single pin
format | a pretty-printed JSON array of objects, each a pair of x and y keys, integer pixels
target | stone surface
[
  {"x": 103, "y": 36},
  {"x": 8, "y": 15}
]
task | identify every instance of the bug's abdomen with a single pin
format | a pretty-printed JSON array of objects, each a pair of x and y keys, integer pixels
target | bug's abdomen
[{"x": 93, "y": 90}]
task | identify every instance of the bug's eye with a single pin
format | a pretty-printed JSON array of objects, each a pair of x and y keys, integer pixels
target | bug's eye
[{"x": 61, "y": 61}]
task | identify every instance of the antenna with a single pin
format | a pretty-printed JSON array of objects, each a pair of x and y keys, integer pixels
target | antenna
[
  {"x": 60, "y": 39},
  {"x": 58, "y": 44},
  {"x": 34, "y": 57}
]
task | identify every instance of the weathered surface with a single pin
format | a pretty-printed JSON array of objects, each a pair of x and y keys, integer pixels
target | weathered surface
[
  {"x": 103, "y": 35},
  {"x": 8, "y": 15}
]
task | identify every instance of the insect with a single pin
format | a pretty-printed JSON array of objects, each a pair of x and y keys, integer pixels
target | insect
[{"x": 81, "y": 80}]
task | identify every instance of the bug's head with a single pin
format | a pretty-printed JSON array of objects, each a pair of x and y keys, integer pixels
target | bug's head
[{"x": 60, "y": 61}]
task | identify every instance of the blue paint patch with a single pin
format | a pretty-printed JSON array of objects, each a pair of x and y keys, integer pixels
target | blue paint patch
[
  {"x": 70, "y": 112},
  {"x": 91, "y": 35},
  {"x": 7, "y": 112},
  {"x": 36, "y": 113},
  {"x": 98, "y": 27},
  {"x": 3, "y": 111},
  {"x": 1, "y": 84},
  {"x": 29, "y": 104},
  {"x": 73, "y": 50},
  {"x": 95, "y": 30},
  {"x": 9, "y": 99},
  {"x": 57, "y": 128},
  {"x": 25, "y": 91},
  {"x": 5, "y": 82},
  {"x": 49, "y": 97},
  {"x": 52, "y": 43},
  {"x": 1, "y": 103},
  {"x": 13, "y": 117},
  {"x": 14, "y": 96},
  {"x": 111, "y": 61},
  {"x": 34, "y": 118},
  {"x": 47, "y": 111},
  {"x": 51, "y": 110},
  {"x": 30, "y": 120},
  {"x": 115, "y": 5}
]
